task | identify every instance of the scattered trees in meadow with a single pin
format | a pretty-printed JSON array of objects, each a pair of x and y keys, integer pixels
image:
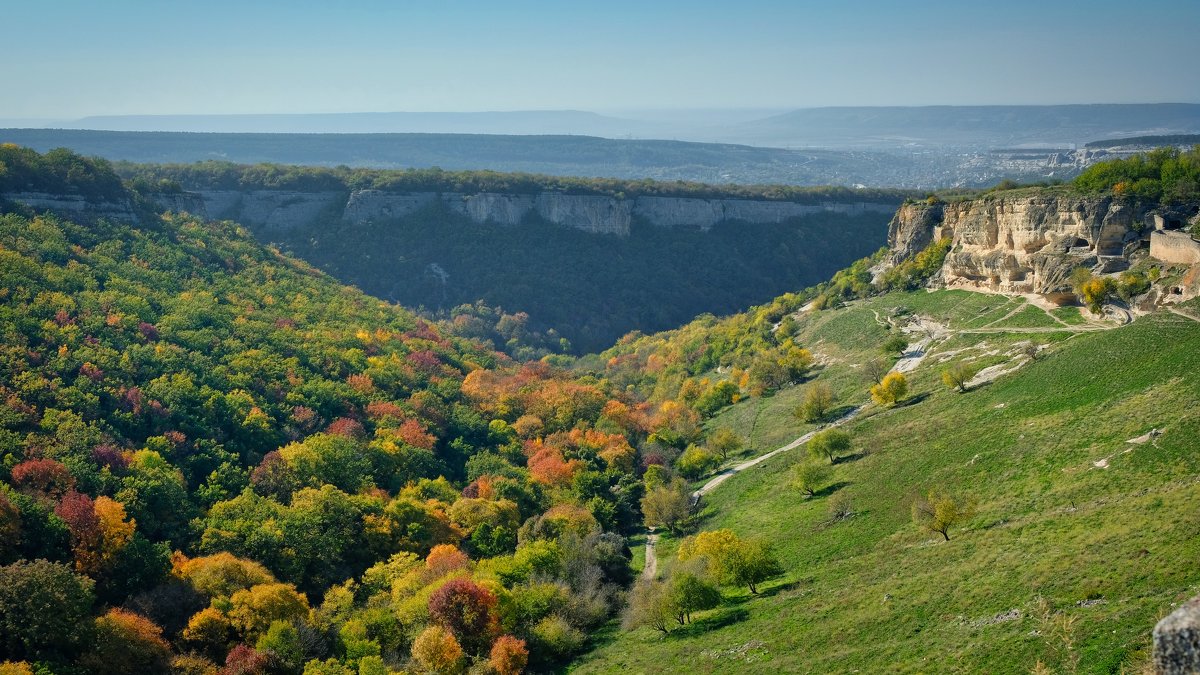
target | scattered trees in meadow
[
  {"x": 725, "y": 442},
  {"x": 810, "y": 477},
  {"x": 733, "y": 561}
]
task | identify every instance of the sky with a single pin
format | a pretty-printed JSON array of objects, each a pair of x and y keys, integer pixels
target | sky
[{"x": 65, "y": 59}]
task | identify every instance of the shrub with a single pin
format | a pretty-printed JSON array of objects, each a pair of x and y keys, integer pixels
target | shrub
[
  {"x": 894, "y": 345},
  {"x": 841, "y": 506},
  {"x": 696, "y": 462}
]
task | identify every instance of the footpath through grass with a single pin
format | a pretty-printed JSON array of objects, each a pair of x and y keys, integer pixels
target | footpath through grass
[{"x": 1081, "y": 542}]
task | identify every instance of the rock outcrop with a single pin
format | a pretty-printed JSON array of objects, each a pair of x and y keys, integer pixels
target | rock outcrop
[
  {"x": 281, "y": 210},
  {"x": 1177, "y": 641},
  {"x": 1025, "y": 243},
  {"x": 273, "y": 209},
  {"x": 1177, "y": 248},
  {"x": 77, "y": 207}
]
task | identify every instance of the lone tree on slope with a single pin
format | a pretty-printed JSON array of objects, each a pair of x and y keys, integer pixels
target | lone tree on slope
[{"x": 939, "y": 511}]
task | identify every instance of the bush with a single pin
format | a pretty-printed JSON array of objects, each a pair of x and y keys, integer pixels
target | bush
[
  {"x": 841, "y": 506},
  {"x": 696, "y": 462},
  {"x": 1132, "y": 284},
  {"x": 895, "y": 345}
]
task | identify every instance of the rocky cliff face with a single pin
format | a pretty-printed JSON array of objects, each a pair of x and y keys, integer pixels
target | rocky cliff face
[
  {"x": 590, "y": 213},
  {"x": 1025, "y": 243},
  {"x": 75, "y": 206},
  {"x": 181, "y": 202}
]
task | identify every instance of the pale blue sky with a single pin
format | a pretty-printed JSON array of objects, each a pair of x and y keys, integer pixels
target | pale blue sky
[{"x": 71, "y": 58}]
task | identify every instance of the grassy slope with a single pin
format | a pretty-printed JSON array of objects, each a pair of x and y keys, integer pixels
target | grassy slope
[{"x": 872, "y": 593}]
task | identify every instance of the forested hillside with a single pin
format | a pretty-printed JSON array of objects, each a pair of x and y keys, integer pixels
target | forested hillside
[
  {"x": 219, "y": 455},
  {"x": 213, "y": 454},
  {"x": 587, "y": 287}
]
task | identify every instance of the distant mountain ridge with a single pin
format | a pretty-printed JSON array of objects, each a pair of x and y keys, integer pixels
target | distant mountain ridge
[{"x": 877, "y": 127}]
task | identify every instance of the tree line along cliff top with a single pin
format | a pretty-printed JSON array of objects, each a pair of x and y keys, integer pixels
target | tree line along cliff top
[{"x": 215, "y": 175}]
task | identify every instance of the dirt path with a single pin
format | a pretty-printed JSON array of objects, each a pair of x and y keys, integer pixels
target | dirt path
[
  {"x": 738, "y": 468},
  {"x": 1182, "y": 313},
  {"x": 927, "y": 333},
  {"x": 650, "y": 570},
  {"x": 1013, "y": 312}
]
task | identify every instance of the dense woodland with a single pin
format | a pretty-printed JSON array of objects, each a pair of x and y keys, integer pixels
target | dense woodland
[
  {"x": 215, "y": 456},
  {"x": 589, "y": 289}
]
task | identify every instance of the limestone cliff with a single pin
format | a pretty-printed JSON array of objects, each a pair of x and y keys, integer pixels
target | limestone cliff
[
  {"x": 75, "y": 206},
  {"x": 181, "y": 202},
  {"x": 597, "y": 214},
  {"x": 1029, "y": 242}
]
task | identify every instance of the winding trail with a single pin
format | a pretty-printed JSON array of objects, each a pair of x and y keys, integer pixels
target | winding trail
[
  {"x": 1180, "y": 312},
  {"x": 930, "y": 332},
  {"x": 650, "y": 570}
]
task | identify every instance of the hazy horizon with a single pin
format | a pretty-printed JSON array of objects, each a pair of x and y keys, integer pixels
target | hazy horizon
[{"x": 77, "y": 59}]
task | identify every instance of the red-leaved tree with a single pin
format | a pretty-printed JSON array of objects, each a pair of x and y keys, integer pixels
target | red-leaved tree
[{"x": 466, "y": 610}]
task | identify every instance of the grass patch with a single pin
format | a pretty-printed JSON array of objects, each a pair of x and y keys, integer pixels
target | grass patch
[{"x": 1111, "y": 547}]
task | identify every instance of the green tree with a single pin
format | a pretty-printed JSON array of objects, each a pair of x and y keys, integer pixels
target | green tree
[
  {"x": 44, "y": 610},
  {"x": 667, "y": 506},
  {"x": 818, "y": 400},
  {"x": 809, "y": 477},
  {"x": 828, "y": 444},
  {"x": 725, "y": 442},
  {"x": 938, "y": 511},
  {"x": 958, "y": 375},
  {"x": 894, "y": 345},
  {"x": 690, "y": 590},
  {"x": 696, "y": 462}
]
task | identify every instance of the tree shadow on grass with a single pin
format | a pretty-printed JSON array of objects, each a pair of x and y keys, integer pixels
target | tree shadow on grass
[
  {"x": 830, "y": 489},
  {"x": 852, "y": 457},
  {"x": 912, "y": 400},
  {"x": 725, "y": 616},
  {"x": 838, "y": 413}
]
